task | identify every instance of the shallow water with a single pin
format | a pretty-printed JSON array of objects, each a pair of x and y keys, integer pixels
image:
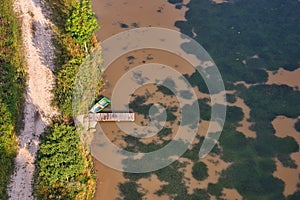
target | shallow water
[
  {"x": 119, "y": 15},
  {"x": 116, "y": 16},
  {"x": 285, "y": 127}
]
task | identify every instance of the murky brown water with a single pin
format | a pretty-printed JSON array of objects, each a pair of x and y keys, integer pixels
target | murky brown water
[
  {"x": 290, "y": 78},
  {"x": 120, "y": 15},
  {"x": 116, "y": 16},
  {"x": 285, "y": 127},
  {"x": 231, "y": 194},
  {"x": 150, "y": 186},
  {"x": 107, "y": 181},
  {"x": 244, "y": 124},
  {"x": 215, "y": 166}
]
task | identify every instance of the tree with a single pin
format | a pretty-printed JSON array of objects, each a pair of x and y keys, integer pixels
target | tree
[{"x": 82, "y": 22}]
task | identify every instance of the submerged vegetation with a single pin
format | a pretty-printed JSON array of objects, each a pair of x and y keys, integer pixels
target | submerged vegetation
[
  {"x": 12, "y": 85},
  {"x": 64, "y": 168},
  {"x": 236, "y": 32},
  {"x": 245, "y": 38}
]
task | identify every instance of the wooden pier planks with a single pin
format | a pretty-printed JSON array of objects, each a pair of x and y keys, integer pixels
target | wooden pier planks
[{"x": 111, "y": 117}]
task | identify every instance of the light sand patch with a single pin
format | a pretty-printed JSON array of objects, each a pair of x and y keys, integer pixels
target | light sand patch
[
  {"x": 284, "y": 77},
  {"x": 112, "y": 14},
  {"x": 285, "y": 127},
  {"x": 231, "y": 194},
  {"x": 166, "y": 101},
  {"x": 244, "y": 124},
  {"x": 215, "y": 166},
  {"x": 151, "y": 185}
]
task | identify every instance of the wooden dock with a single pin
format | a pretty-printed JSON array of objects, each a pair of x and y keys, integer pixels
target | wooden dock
[{"x": 111, "y": 117}]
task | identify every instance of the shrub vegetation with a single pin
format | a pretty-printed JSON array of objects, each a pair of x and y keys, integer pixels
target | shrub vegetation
[
  {"x": 64, "y": 168},
  {"x": 12, "y": 85}
]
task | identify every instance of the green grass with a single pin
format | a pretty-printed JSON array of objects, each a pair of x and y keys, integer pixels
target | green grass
[{"x": 12, "y": 82}]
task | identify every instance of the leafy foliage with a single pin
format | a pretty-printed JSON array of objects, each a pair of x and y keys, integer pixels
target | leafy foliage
[
  {"x": 12, "y": 84},
  {"x": 70, "y": 54},
  {"x": 62, "y": 170},
  {"x": 64, "y": 85},
  {"x": 8, "y": 148},
  {"x": 82, "y": 22}
]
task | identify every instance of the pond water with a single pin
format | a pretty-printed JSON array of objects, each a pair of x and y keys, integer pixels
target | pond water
[{"x": 116, "y": 16}]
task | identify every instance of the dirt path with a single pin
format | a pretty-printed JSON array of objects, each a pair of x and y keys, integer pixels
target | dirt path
[{"x": 39, "y": 53}]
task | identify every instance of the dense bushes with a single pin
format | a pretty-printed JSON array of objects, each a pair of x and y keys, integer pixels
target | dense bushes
[
  {"x": 62, "y": 170},
  {"x": 63, "y": 91},
  {"x": 72, "y": 41},
  {"x": 8, "y": 147},
  {"x": 82, "y": 22},
  {"x": 12, "y": 84}
]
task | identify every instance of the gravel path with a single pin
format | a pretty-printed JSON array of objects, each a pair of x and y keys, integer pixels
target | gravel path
[{"x": 39, "y": 53}]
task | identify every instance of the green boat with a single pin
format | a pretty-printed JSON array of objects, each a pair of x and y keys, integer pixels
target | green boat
[{"x": 100, "y": 105}]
